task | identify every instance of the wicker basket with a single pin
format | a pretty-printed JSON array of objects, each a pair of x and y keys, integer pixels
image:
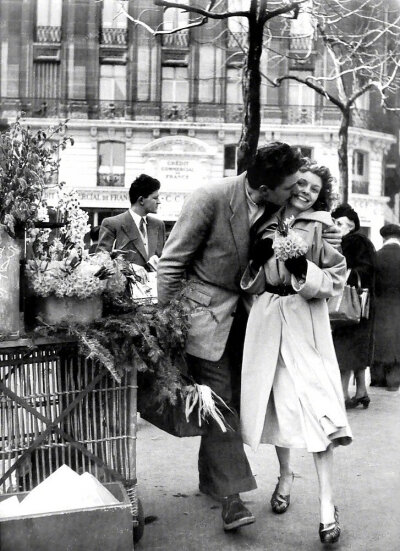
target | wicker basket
[{"x": 57, "y": 407}]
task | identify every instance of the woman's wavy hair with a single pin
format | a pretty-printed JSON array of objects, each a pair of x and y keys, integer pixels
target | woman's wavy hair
[{"x": 327, "y": 196}]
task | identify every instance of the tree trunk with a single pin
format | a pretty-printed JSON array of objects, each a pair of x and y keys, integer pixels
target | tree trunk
[
  {"x": 343, "y": 155},
  {"x": 251, "y": 97}
]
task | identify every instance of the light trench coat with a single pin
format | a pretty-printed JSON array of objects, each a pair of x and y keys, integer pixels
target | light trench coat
[{"x": 293, "y": 333}]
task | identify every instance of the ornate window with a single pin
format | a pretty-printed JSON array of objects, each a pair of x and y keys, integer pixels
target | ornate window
[
  {"x": 230, "y": 154},
  {"x": 234, "y": 85},
  {"x": 175, "y": 84},
  {"x": 48, "y": 13},
  {"x": 360, "y": 181},
  {"x": 111, "y": 164},
  {"x": 114, "y": 23},
  {"x": 112, "y": 82}
]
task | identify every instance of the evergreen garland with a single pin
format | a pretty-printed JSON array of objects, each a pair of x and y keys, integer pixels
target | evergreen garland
[{"x": 142, "y": 336}]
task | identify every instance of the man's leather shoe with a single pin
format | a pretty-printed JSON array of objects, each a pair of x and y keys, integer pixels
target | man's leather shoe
[{"x": 235, "y": 514}]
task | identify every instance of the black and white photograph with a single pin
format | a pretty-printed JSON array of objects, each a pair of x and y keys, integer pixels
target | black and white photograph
[{"x": 199, "y": 275}]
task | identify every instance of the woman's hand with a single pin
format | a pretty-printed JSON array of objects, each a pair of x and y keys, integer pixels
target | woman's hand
[
  {"x": 261, "y": 252},
  {"x": 333, "y": 236},
  {"x": 297, "y": 266}
]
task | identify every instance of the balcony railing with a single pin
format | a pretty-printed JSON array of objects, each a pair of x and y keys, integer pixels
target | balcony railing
[
  {"x": 48, "y": 35},
  {"x": 301, "y": 43},
  {"x": 113, "y": 36},
  {"x": 190, "y": 112},
  {"x": 110, "y": 180},
  {"x": 179, "y": 39}
]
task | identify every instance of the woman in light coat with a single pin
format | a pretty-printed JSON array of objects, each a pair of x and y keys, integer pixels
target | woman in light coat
[{"x": 291, "y": 393}]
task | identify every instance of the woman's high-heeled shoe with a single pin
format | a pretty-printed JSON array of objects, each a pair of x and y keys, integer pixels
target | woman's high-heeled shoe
[
  {"x": 364, "y": 401},
  {"x": 330, "y": 533},
  {"x": 280, "y": 503},
  {"x": 353, "y": 402}
]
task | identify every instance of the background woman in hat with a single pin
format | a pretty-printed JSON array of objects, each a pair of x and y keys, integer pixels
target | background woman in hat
[
  {"x": 385, "y": 370},
  {"x": 354, "y": 343}
]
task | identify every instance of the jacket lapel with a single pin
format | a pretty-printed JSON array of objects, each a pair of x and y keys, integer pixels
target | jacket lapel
[
  {"x": 240, "y": 220},
  {"x": 132, "y": 232}
]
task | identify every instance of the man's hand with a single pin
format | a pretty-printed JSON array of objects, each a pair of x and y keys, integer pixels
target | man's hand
[
  {"x": 261, "y": 252},
  {"x": 333, "y": 236},
  {"x": 297, "y": 266}
]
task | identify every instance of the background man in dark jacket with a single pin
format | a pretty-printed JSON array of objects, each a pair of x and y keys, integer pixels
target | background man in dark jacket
[
  {"x": 136, "y": 232},
  {"x": 386, "y": 367}
]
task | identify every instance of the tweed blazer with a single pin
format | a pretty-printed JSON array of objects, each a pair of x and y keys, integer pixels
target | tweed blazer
[
  {"x": 120, "y": 232},
  {"x": 208, "y": 246}
]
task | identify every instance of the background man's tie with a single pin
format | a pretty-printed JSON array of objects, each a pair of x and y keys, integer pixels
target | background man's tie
[{"x": 143, "y": 231}]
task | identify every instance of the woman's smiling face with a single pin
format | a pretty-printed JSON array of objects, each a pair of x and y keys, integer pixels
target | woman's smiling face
[{"x": 307, "y": 191}]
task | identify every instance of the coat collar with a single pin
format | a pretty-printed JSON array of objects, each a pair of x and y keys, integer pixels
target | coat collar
[
  {"x": 129, "y": 227},
  {"x": 239, "y": 220},
  {"x": 312, "y": 216}
]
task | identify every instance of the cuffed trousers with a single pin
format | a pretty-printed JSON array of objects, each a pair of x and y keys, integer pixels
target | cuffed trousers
[{"x": 223, "y": 465}]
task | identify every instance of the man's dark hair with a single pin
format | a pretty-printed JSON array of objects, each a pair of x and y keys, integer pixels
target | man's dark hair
[
  {"x": 346, "y": 210},
  {"x": 272, "y": 164},
  {"x": 143, "y": 186}
]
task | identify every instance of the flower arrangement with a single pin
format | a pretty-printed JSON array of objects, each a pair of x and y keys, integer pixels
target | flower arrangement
[
  {"x": 28, "y": 162},
  {"x": 61, "y": 265},
  {"x": 287, "y": 243}
]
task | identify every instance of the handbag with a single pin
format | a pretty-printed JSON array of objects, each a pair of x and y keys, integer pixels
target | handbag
[{"x": 350, "y": 306}]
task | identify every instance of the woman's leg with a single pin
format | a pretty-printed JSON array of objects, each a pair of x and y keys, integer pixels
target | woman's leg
[
  {"x": 286, "y": 473},
  {"x": 345, "y": 376},
  {"x": 361, "y": 389},
  {"x": 324, "y": 465}
]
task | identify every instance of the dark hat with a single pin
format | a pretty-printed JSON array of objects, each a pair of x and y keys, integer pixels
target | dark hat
[
  {"x": 346, "y": 210},
  {"x": 390, "y": 230}
]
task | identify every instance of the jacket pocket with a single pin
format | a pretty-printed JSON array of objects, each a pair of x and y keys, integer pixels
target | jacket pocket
[{"x": 198, "y": 296}]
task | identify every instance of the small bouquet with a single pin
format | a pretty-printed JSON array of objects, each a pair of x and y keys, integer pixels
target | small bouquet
[
  {"x": 61, "y": 266},
  {"x": 287, "y": 243}
]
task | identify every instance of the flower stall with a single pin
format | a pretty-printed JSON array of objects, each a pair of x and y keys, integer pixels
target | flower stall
[
  {"x": 27, "y": 165},
  {"x": 75, "y": 338},
  {"x": 66, "y": 280}
]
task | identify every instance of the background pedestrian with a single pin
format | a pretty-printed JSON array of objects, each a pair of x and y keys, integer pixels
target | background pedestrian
[
  {"x": 354, "y": 343},
  {"x": 386, "y": 366}
]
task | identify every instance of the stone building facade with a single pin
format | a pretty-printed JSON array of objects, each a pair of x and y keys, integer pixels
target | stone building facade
[{"x": 169, "y": 106}]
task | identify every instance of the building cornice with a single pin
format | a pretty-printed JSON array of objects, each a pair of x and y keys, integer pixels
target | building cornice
[{"x": 270, "y": 131}]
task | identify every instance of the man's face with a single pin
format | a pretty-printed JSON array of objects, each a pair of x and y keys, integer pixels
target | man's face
[
  {"x": 281, "y": 194},
  {"x": 150, "y": 203}
]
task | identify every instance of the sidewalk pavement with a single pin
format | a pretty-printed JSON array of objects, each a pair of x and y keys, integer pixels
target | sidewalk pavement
[{"x": 367, "y": 489}]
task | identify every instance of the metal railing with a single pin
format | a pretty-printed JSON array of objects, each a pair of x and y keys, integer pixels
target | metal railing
[
  {"x": 187, "y": 111},
  {"x": 179, "y": 39},
  {"x": 48, "y": 35},
  {"x": 301, "y": 43},
  {"x": 110, "y": 36},
  {"x": 110, "y": 180}
]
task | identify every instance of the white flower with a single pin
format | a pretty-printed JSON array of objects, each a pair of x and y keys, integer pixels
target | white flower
[{"x": 289, "y": 246}]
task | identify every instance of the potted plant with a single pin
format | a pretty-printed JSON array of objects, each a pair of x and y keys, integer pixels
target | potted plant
[
  {"x": 28, "y": 161},
  {"x": 68, "y": 281}
]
